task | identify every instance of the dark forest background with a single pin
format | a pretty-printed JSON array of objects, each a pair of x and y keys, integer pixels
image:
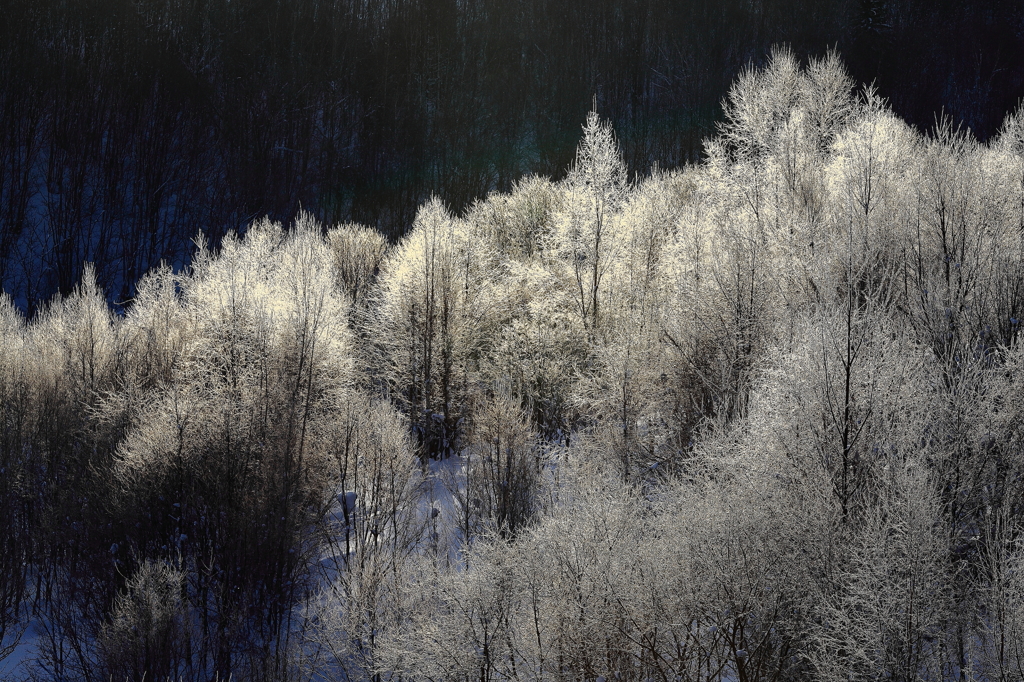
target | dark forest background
[{"x": 129, "y": 126}]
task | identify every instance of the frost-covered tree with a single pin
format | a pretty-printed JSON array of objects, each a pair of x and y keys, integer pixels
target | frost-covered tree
[
  {"x": 586, "y": 241},
  {"x": 436, "y": 291},
  {"x": 888, "y": 616},
  {"x": 15, "y": 480},
  {"x": 499, "y": 489},
  {"x": 226, "y": 468},
  {"x": 358, "y": 254},
  {"x": 149, "y": 631},
  {"x": 519, "y": 222},
  {"x": 375, "y": 534}
]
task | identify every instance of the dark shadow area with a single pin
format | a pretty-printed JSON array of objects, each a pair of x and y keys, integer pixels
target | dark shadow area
[{"x": 129, "y": 127}]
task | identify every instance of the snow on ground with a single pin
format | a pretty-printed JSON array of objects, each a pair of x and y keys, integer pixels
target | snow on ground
[{"x": 15, "y": 666}]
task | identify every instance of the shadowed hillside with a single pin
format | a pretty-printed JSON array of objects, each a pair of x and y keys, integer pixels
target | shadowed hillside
[{"x": 130, "y": 126}]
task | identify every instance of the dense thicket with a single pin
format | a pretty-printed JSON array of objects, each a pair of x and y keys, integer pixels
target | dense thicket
[
  {"x": 754, "y": 419},
  {"x": 127, "y": 127}
]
